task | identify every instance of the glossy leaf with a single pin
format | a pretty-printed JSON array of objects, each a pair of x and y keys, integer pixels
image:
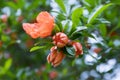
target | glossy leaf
[
  {"x": 8, "y": 64},
  {"x": 70, "y": 50},
  {"x": 61, "y": 5},
  {"x": 12, "y": 4},
  {"x": 2, "y": 71},
  {"x": 97, "y": 11},
  {"x": 76, "y": 15},
  {"x": 56, "y": 29},
  {"x": 67, "y": 27},
  {"x": 102, "y": 20},
  {"x": 77, "y": 33},
  {"x": 36, "y": 48},
  {"x": 103, "y": 29}
]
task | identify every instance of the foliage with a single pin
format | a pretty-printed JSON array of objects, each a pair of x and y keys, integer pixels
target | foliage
[{"x": 93, "y": 23}]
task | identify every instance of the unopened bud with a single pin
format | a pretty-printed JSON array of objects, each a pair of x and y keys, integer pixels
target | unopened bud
[
  {"x": 59, "y": 57},
  {"x": 52, "y": 54},
  {"x": 78, "y": 48},
  {"x": 60, "y": 39},
  {"x": 55, "y": 57}
]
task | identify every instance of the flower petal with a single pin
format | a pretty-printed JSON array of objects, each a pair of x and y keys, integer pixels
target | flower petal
[{"x": 31, "y": 29}]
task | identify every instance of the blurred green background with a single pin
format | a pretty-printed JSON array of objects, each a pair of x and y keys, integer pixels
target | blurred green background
[{"x": 101, "y": 58}]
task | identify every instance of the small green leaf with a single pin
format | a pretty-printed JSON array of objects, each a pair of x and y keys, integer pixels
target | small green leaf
[
  {"x": 97, "y": 11},
  {"x": 36, "y": 48},
  {"x": 61, "y": 5},
  {"x": 8, "y": 64},
  {"x": 76, "y": 14},
  {"x": 70, "y": 50}
]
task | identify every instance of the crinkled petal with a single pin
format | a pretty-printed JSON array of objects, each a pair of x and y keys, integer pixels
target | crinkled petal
[
  {"x": 44, "y": 17},
  {"x": 31, "y": 29}
]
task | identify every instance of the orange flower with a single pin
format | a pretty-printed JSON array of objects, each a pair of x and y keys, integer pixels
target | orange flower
[
  {"x": 78, "y": 48},
  {"x": 43, "y": 27},
  {"x": 60, "y": 39},
  {"x": 55, "y": 57}
]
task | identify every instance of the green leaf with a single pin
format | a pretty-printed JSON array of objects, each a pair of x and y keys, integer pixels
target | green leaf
[
  {"x": 103, "y": 29},
  {"x": 70, "y": 50},
  {"x": 102, "y": 20},
  {"x": 89, "y": 2},
  {"x": 67, "y": 27},
  {"x": 5, "y": 38},
  {"x": 12, "y": 5},
  {"x": 8, "y": 64},
  {"x": 86, "y": 34},
  {"x": 115, "y": 28},
  {"x": 61, "y": 5},
  {"x": 77, "y": 33},
  {"x": 97, "y": 11},
  {"x": 2, "y": 71},
  {"x": 36, "y": 48},
  {"x": 33, "y": 5},
  {"x": 80, "y": 28},
  {"x": 76, "y": 14},
  {"x": 59, "y": 24},
  {"x": 21, "y": 3},
  {"x": 56, "y": 28}
]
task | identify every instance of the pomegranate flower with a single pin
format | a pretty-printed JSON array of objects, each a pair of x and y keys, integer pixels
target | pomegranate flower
[
  {"x": 78, "y": 48},
  {"x": 60, "y": 39},
  {"x": 43, "y": 27}
]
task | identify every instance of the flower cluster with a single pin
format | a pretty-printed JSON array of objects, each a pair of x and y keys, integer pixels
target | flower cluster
[{"x": 44, "y": 28}]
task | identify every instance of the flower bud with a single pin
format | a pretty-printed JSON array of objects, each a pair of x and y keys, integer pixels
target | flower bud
[
  {"x": 60, "y": 39},
  {"x": 55, "y": 57},
  {"x": 78, "y": 48},
  {"x": 48, "y": 58},
  {"x": 60, "y": 56},
  {"x": 52, "y": 54}
]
